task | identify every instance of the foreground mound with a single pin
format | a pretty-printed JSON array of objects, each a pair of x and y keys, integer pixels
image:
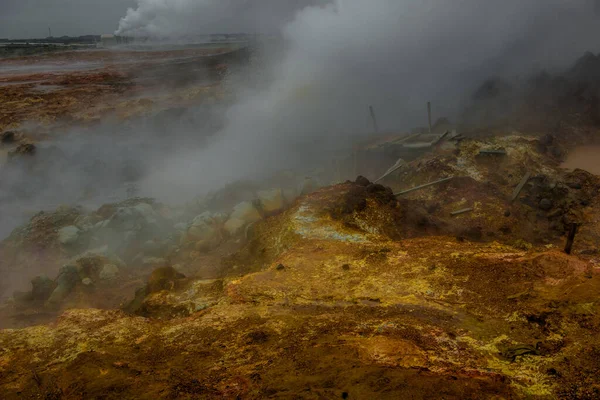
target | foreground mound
[{"x": 334, "y": 306}]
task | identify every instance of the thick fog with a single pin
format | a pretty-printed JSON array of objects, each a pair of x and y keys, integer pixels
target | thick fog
[{"x": 395, "y": 55}]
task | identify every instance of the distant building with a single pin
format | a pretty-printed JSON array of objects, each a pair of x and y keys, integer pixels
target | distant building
[{"x": 108, "y": 40}]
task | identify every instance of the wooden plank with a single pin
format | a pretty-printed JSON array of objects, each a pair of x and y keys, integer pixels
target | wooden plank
[
  {"x": 441, "y": 138},
  {"x": 406, "y": 138},
  {"x": 463, "y": 211},
  {"x": 520, "y": 186},
  {"x": 399, "y": 164},
  {"x": 571, "y": 238},
  {"x": 493, "y": 152},
  {"x": 375, "y": 126},
  {"x": 423, "y": 186},
  {"x": 429, "y": 114}
]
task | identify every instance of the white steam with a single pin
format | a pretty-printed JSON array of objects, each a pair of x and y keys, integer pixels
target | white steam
[
  {"x": 393, "y": 54},
  {"x": 167, "y": 18}
]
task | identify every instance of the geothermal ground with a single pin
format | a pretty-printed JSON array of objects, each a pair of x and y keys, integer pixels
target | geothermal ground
[{"x": 303, "y": 288}]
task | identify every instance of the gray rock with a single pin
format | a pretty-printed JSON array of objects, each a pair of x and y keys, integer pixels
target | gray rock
[
  {"x": 308, "y": 186},
  {"x": 42, "y": 288},
  {"x": 87, "y": 282},
  {"x": 181, "y": 227},
  {"x": 102, "y": 224},
  {"x": 103, "y": 252},
  {"x": 546, "y": 204},
  {"x": 290, "y": 194},
  {"x": 271, "y": 201},
  {"x": 153, "y": 262},
  {"x": 202, "y": 228},
  {"x": 233, "y": 226},
  {"x": 66, "y": 281},
  {"x": 68, "y": 235},
  {"x": 109, "y": 272},
  {"x": 243, "y": 214},
  {"x": 146, "y": 212},
  {"x": 125, "y": 219}
]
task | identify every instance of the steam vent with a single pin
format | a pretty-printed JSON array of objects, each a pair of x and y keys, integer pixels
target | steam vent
[{"x": 300, "y": 200}]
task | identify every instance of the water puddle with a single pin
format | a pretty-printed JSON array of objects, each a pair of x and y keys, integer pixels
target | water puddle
[{"x": 584, "y": 157}]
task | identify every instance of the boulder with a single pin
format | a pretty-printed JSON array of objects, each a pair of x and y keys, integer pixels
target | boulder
[
  {"x": 84, "y": 222},
  {"x": 308, "y": 186},
  {"x": 243, "y": 214},
  {"x": 87, "y": 281},
  {"x": 271, "y": 201},
  {"x": 153, "y": 262},
  {"x": 7, "y": 137},
  {"x": 233, "y": 226},
  {"x": 246, "y": 212},
  {"x": 181, "y": 227},
  {"x": 68, "y": 278},
  {"x": 25, "y": 149},
  {"x": 42, "y": 288},
  {"x": 290, "y": 194},
  {"x": 546, "y": 204},
  {"x": 202, "y": 228},
  {"x": 109, "y": 272},
  {"x": 125, "y": 219},
  {"x": 146, "y": 211},
  {"x": 68, "y": 235},
  {"x": 205, "y": 231},
  {"x": 101, "y": 252}
]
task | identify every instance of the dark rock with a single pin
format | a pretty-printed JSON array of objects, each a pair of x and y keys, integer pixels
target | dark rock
[
  {"x": 7, "y": 137},
  {"x": 362, "y": 181},
  {"x": 383, "y": 194},
  {"x": 280, "y": 267},
  {"x": 507, "y": 213},
  {"x": 164, "y": 278},
  {"x": 22, "y": 297},
  {"x": 346, "y": 267},
  {"x": 433, "y": 208},
  {"x": 546, "y": 204},
  {"x": 138, "y": 301},
  {"x": 556, "y": 152},
  {"x": 574, "y": 185},
  {"x": 474, "y": 233},
  {"x": 257, "y": 337},
  {"x": 547, "y": 140},
  {"x": 68, "y": 278},
  {"x": 42, "y": 288},
  {"x": 26, "y": 149}
]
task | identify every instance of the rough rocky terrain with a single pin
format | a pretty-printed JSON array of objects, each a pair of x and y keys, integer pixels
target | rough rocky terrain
[{"x": 292, "y": 289}]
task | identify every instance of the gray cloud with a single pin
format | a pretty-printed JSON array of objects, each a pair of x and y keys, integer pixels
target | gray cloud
[
  {"x": 30, "y": 18},
  {"x": 156, "y": 17}
]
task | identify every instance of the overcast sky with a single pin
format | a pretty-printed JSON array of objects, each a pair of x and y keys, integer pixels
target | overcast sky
[{"x": 31, "y": 18}]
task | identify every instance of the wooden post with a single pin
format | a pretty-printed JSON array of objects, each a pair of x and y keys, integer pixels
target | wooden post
[
  {"x": 520, "y": 186},
  {"x": 463, "y": 211},
  {"x": 429, "y": 114},
  {"x": 571, "y": 238},
  {"x": 375, "y": 126},
  {"x": 423, "y": 186}
]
